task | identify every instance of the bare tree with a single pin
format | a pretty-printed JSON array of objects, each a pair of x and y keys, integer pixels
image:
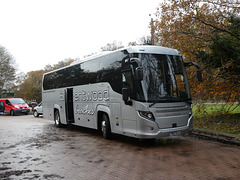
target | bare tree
[
  {"x": 112, "y": 46},
  {"x": 60, "y": 64},
  {"x": 145, "y": 40},
  {"x": 7, "y": 70}
]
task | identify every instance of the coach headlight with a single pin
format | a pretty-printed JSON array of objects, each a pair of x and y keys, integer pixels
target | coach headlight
[{"x": 147, "y": 115}]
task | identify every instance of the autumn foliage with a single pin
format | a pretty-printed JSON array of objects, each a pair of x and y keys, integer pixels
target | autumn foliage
[
  {"x": 206, "y": 32},
  {"x": 31, "y": 87}
]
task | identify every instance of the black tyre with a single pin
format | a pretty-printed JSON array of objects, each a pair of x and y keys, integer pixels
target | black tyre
[
  {"x": 57, "y": 119},
  {"x": 105, "y": 127},
  {"x": 12, "y": 113},
  {"x": 35, "y": 114}
]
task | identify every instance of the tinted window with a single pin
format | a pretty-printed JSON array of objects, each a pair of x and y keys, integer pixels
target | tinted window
[
  {"x": 90, "y": 71},
  {"x": 104, "y": 69},
  {"x": 111, "y": 70},
  {"x": 79, "y": 74}
]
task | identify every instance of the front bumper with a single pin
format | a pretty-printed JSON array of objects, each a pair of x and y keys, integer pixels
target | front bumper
[
  {"x": 166, "y": 133},
  {"x": 177, "y": 131},
  {"x": 22, "y": 111}
]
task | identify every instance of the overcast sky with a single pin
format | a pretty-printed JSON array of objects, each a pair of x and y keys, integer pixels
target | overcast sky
[{"x": 41, "y": 32}]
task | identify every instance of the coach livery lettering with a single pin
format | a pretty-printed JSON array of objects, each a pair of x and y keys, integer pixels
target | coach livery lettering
[{"x": 100, "y": 95}]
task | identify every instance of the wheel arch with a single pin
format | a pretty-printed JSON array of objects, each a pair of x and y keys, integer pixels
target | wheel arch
[
  {"x": 35, "y": 113},
  {"x": 100, "y": 111},
  {"x": 12, "y": 112},
  {"x": 56, "y": 108}
]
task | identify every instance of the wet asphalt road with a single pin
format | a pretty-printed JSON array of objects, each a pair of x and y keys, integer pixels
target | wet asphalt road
[{"x": 33, "y": 148}]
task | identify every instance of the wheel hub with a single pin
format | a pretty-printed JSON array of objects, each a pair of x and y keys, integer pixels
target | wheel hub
[{"x": 103, "y": 126}]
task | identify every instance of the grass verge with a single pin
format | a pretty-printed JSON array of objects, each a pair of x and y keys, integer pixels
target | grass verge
[{"x": 220, "y": 117}]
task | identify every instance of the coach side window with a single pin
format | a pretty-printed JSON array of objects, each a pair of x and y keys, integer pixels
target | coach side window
[{"x": 127, "y": 81}]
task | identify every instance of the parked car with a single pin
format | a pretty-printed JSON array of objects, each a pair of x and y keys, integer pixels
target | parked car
[
  {"x": 2, "y": 108},
  {"x": 37, "y": 110},
  {"x": 15, "y": 106},
  {"x": 31, "y": 104}
]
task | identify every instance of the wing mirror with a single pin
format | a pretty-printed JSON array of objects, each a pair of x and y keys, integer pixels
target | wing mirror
[
  {"x": 126, "y": 97},
  {"x": 139, "y": 73},
  {"x": 199, "y": 72}
]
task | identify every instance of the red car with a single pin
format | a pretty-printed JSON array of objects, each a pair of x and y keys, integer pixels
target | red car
[{"x": 15, "y": 106}]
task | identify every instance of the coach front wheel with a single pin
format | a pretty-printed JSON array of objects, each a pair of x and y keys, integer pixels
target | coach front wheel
[{"x": 105, "y": 127}]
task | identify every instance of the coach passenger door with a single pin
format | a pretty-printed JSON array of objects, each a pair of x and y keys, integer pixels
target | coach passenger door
[
  {"x": 61, "y": 106},
  {"x": 69, "y": 105}
]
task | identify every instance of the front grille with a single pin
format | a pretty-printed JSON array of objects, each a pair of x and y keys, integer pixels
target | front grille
[{"x": 167, "y": 110}]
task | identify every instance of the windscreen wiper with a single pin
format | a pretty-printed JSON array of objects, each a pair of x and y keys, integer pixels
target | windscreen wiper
[
  {"x": 161, "y": 100},
  {"x": 152, "y": 104}
]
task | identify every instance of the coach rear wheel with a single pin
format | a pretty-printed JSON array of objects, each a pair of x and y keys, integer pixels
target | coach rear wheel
[
  {"x": 105, "y": 127},
  {"x": 57, "y": 119}
]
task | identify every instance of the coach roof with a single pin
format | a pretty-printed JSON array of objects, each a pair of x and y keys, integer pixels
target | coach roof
[
  {"x": 152, "y": 50},
  {"x": 134, "y": 49},
  {"x": 131, "y": 49}
]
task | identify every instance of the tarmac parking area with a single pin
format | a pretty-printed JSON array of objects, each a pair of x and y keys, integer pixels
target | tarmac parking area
[{"x": 33, "y": 148}]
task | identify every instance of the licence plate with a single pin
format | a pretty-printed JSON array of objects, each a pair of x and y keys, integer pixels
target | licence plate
[
  {"x": 176, "y": 133},
  {"x": 24, "y": 111},
  {"x": 1, "y": 112}
]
